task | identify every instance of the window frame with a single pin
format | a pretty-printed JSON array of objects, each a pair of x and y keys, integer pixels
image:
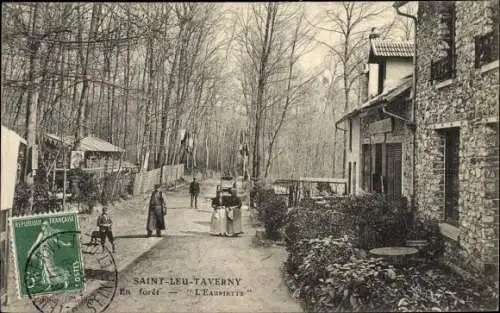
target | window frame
[
  {"x": 452, "y": 217},
  {"x": 440, "y": 67},
  {"x": 479, "y": 42}
]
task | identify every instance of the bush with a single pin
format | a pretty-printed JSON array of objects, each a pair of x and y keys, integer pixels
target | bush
[
  {"x": 381, "y": 222},
  {"x": 271, "y": 209},
  {"x": 89, "y": 190},
  {"x": 21, "y": 199},
  {"x": 272, "y": 212},
  {"x": 331, "y": 270},
  {"x": 41, "y": 199},
  {"x": 305, "y": 223},
  {"x": 333, "y": 275},
  {"x": 372, "y": 219}
]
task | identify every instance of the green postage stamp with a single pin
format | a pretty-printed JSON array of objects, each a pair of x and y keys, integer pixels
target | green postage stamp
[{"x": 47, "y": 253}]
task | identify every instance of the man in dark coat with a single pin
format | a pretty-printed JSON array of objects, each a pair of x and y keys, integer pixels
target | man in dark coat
[
  {"x": 157, "y": 210},
  {"x": 194, "y": 190}
]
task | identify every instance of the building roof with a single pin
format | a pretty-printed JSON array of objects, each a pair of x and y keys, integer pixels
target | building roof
[
  {"x": 9, "y": 132},
  {"x": 391, "y": 48},
  {"x": 387, "y": 96},
  {"x": 89, "y": 143}
]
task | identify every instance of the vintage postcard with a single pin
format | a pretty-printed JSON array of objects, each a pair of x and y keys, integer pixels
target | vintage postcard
[{"x": 231, "y": 157}]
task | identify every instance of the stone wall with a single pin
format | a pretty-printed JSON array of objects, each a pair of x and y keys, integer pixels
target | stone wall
[{"x": 470, "y": 102}]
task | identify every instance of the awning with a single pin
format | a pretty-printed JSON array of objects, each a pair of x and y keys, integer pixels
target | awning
[
  {"x": 382, "y": 99},
  {"x": 10, "y": 148}
]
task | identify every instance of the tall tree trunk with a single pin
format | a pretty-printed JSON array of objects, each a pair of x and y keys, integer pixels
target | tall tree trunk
[
  {"x": 127, "y": 83},
  {"x": 150, "y": 118},
  {"x": 31, "y": 109},
  {"x": 115, "y": 136},
  {"x": 80, "y": 133}
]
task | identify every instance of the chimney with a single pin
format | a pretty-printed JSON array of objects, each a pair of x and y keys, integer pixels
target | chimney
[
  {"x": 363, "y": 80},
  {"x": 374, "y": 34}
]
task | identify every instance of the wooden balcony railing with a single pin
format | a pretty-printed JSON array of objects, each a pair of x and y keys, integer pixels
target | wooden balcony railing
[
  {"x": 486, "y": 47},
  {"x": 442, "y": 69}
]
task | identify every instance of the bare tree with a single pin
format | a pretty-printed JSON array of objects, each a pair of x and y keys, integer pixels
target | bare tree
[{"x": 350, "y": 22}]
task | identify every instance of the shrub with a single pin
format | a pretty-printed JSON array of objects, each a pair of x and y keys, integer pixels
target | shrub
[
  {"x": 89, "y": 190},
  {"x": 316, "y": 222},
  {"x": 333, "y": 275},
  {"x": 381, "y": 222},
  {"x": 21, "y": 199},
  {"x": 372, "y": 219},
  {"x": 273, "y": 211},
  {"x": 41, "y": 199}
]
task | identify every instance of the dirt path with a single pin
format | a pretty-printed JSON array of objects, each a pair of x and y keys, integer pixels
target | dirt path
[{"x": 252, "y": 276}]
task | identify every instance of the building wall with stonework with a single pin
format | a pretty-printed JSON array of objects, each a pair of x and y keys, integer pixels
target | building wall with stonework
[{"x": 469, "y": 102}]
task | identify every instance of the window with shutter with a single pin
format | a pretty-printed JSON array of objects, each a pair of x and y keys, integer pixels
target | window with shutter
[
  {"x": 366, "y": 168},
  {"x": 394, "y": 170}
]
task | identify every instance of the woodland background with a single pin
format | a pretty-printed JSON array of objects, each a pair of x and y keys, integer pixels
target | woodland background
[{"x": 234, "y": 77}]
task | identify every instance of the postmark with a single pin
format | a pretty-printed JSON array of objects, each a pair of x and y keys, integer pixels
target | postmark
[{"x": 50, "y": 265}]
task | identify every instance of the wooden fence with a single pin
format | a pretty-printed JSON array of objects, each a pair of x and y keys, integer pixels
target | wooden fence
[{"x": 145, "y": 181}]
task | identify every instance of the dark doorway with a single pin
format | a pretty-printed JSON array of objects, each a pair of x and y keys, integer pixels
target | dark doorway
[
  {"x": 366, "y": 165},
  {"x": 451, "y": 165}
]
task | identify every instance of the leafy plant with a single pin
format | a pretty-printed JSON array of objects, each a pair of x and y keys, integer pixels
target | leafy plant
[
  {"x": 333, "y": 275},
  {"x": 331, "y": 271},
  {"x": 88, "y": 189},
  {"x": 42, "y": 202},
  {"x": 374, "y": 220},
  {"x": 21, "y": 199},
  {"x": 272, "y": 212}
]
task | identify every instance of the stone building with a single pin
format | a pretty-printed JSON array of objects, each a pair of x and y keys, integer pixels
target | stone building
[
  {"x": 457, "y": 128},
  {"x": 379, "y": 145}
]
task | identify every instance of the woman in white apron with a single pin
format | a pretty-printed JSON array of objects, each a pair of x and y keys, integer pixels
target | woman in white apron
[
  {"x": 218, "y": 224},
  {"x": 233, "y": 210}
]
